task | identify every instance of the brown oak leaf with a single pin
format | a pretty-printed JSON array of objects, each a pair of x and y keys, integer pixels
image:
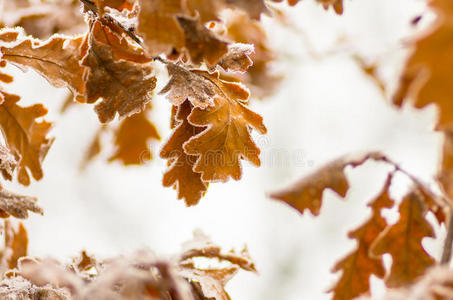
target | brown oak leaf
[
  {"x": 307, "y": 193},
  {"x": 124, "y": 86},
  {"x": 403, "y": 241},
  {"x": 56, "y": 59},
  {"x": 201, "y": 43},
  {"x": 427, "y": 76},
  {"x": 358, "y": 266},
  {"x": 131, "y": 139},
  {"x": 180, "y": 173},
  {"x": 12, "y": 204},
  {"x": 26, "y": 138},
  {"x": 238, "y": 58},
  {"x": 185, "y": 84},
  {"x": 226, "y": 138},
  {"x": 16, "y": 244}
]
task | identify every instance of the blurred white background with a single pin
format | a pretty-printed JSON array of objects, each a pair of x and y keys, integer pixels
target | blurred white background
[{"x": 325, "y": 107}]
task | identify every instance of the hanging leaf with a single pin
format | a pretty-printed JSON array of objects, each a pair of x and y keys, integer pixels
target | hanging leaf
[
  {"x": 358, "y": 266},
  {"x": 427, "y": 76},
  {"x": 124, "y": 86},
  {"x": 307, "y": 193},
  {"x": 132, "y": 138},
  {"x": 180, "y": 173},
  {"x": 26, "y": 138},
  {"x": 226, "y": 138},
  {"x": 12, "y": 204},
  {"x": 56, "y": 59},
  {"x": 403, "y": 241}
]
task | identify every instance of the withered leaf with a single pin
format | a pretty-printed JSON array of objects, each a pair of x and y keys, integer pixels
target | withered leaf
[
  {"x": 201, "y": 43},
  {"x": 124, "y": 86},
  {"x": 7, "y": 163},
  {"x": 17, "y": 205},
  {"x": 158, "y": 26},
  {"x": 238, "y": 58},
  {"x": 202, "y": 246},
  {"x": 16, "y": 244},
  {"x": 132, "y": 138},
  {"x": 427, "y": 76},
  {"x": 254, "y": 8},
  {"x": 180, "y": 173},
  {"x": 403, "y": 241},
  {"x": 26, "y": 138},
  {"x": 56, "y": 59},
  {"x": 358, "y": 266},
  {"x": 185, "y": 84},
  {"x": 226, "y": 138},
  {"x": 307, "y": 193}
]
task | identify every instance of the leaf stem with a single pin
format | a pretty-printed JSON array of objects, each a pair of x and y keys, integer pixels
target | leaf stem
[{"x": 448, "y": 243}]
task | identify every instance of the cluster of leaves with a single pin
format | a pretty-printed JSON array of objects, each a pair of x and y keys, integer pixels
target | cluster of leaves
[
  {"x": 138, "y": 276},
  {"x": 106, "y": 53},
  {"x": 426, "y": 79}
]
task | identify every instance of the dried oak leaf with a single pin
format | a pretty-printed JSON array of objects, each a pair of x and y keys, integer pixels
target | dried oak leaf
[
  {"x": 427, "y": 76},
  {"x": 238, "y": 58},
  {"x": 26, "y": 138},
  {"x": 202, "y": 246},
  {"x": 16, "y": 244},
  {"x": 226, "y": 138},
  {"x": 201, "y": 43},
  {"x": 307, "y": 192},
  {"x": 358, "y": 266},
  {"x": 403, "y": 241},
  {"x": 56, "y": 59},
  {"x": 158, "y": 26},
  {"x": 12, "y": 204},
  {"x": 180, "y": 173},
  {"x": 124, "y": 86},
  {"x": 131, "y": 139},
  {"x": 7, "y": 163},
  {"x": 186, "y": 84}
]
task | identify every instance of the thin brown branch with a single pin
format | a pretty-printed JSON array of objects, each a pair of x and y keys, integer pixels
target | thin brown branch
[{"x": 448, "y": 243}]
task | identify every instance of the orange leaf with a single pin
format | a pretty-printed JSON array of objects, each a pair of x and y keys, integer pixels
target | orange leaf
[
  {"x": 131, "y": 139},
  {"x": 12, "y": 204},
  {"x": 358, "y": 266},
  {"x": 307, "y": 192},
  {"x": 124, "y": 86},
  {"x": 227, "y": 138},
  {"x": 427, "y": 76},
  {"x": 180, "y": 174},
  {"x": 56, "y": 59},
  {"x": 201, "y": 43},
  {"x": 403, "y": 241},
  {"x": 24, "y": 136},
  {"x": 16, "y": 244}
]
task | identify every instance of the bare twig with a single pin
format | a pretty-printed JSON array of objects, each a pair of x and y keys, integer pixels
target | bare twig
[{"x": 448, "y": 243}]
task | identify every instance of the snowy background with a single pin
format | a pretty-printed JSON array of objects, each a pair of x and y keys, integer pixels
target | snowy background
[{"x": 326, "y": 107}]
